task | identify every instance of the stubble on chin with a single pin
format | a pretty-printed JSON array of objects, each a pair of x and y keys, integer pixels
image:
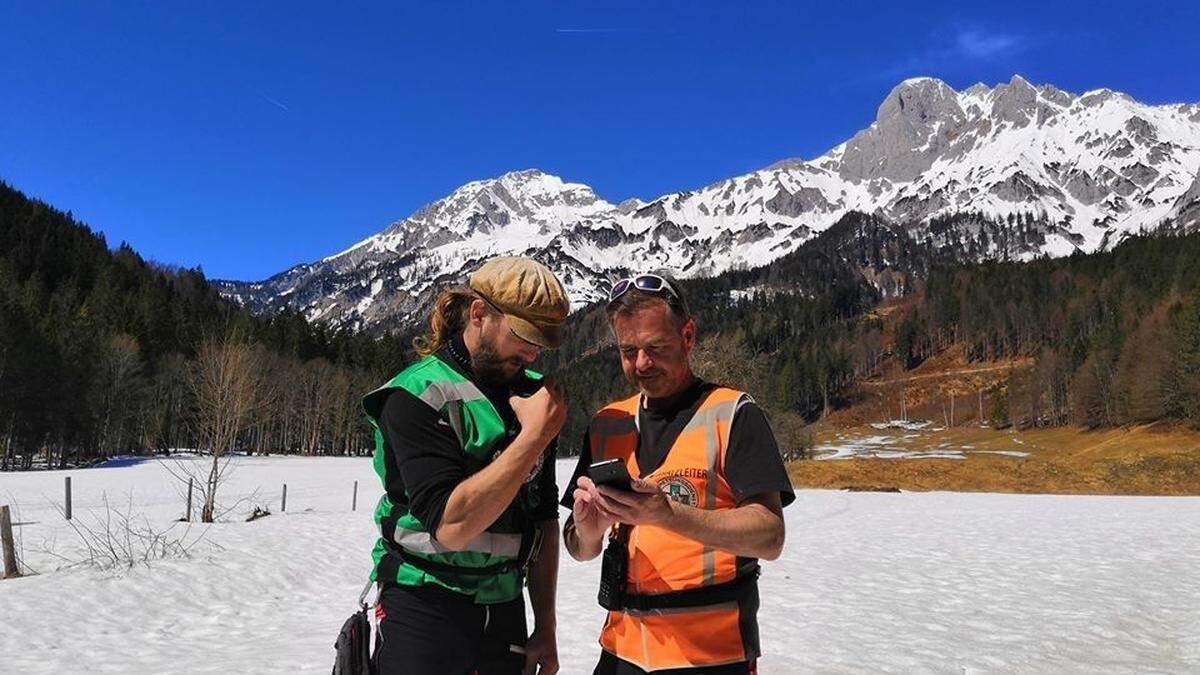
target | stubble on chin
[{"x": 494, "y": 371}]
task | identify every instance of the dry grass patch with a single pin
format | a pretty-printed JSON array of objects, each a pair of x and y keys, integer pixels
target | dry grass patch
[{"x": 1146, "y": 460}]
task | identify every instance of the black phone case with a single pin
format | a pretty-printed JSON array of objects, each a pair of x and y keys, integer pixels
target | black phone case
[{"x": 615, "y": 475}]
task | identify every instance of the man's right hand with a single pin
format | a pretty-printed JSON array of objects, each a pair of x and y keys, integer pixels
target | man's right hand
[
  {"x": 542, "y": 413},
  {"x": 590, "y": 522}
]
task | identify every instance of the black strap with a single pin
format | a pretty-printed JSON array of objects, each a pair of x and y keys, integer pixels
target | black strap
[{"x": 701, "y": 596}]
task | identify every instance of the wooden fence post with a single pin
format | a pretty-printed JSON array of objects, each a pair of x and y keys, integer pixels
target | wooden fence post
[
  {"x": 68, "y": 492},
  {"x": 354, "y": 501},
  {"x": 189, "y": 503},
  {"x": 283, "y": 506},
  {"x": 6, "y": 541}
]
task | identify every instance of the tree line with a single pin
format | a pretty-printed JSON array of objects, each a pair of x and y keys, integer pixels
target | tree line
[
  {"x": 103, "y": 352},
  {"x": 1114, "y": 336},
  {"x": 793, "y": 333}
]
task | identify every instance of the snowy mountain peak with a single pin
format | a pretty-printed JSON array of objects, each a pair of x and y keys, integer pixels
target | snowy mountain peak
[
  {"x": 905, "y": 137},
  {"x": 1088, "y": 168},
  {"x": 528, "y": 204}
]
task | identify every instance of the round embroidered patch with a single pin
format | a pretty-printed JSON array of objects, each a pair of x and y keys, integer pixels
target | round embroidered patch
[{"x": 680, "y": 489}]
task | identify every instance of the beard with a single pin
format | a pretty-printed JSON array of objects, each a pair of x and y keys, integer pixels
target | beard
[{"x": 493, "y": 369}]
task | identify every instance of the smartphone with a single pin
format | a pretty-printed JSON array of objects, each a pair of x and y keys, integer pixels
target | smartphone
[{"x": 611, "y": 472}]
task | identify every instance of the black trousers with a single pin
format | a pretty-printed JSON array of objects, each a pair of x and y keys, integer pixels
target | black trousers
[{"x": 433, "y": 631}]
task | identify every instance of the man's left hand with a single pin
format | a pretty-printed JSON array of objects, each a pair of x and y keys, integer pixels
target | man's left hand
[
  {"x": 645, "y": 505},
  {"x": 541, "y": 653}
]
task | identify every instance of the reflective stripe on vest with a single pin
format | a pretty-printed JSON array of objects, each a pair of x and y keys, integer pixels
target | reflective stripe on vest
[
  {"x": 661, "y": 561},
  {"x": 438, "y": 393},
  {"x": 493, "y": 543}
]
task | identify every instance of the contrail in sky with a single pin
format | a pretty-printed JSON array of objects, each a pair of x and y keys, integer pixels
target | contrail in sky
[
  {"x": 604, "y": 30},
  {"x": 273, "y": 101}
]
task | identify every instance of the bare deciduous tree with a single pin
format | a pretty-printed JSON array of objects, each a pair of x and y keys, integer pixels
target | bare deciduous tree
[
  {"x": 229, "y": 389},
  {"x": 165, "y": 405},
  {"x": 319, "y": 398},
  {"x": 118, "y": 371}
]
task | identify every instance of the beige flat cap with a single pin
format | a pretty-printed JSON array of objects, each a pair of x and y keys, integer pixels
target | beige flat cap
[{"x": 528, "y": 293}]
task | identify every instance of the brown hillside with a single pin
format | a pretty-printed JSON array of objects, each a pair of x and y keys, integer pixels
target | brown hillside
[{"x": 1144, "y": 460}]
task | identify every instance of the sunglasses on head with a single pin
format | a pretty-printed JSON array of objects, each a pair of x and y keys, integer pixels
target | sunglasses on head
[{"x": 650, "y": 283}]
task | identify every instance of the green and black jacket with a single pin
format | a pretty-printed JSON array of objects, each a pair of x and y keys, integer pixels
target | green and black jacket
[{"x": 406, "y": 553}]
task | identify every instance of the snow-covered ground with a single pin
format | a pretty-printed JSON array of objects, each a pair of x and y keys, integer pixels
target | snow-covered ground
[
  {"x": 931, "y": 582},
  {"x": 892, "y": 447}
]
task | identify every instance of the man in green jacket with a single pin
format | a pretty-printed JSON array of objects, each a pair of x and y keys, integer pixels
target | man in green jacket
[{"x": 465, "y": 442}]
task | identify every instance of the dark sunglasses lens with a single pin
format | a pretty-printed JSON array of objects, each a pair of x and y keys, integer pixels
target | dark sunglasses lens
[
  {"x": 618, "y": 288},
  {"x": 649, "y": 283}
]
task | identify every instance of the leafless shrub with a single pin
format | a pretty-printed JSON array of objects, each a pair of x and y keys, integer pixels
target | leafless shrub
[
  {"x": 197, "y": 473},
  {"x": 116, "y": 537}
]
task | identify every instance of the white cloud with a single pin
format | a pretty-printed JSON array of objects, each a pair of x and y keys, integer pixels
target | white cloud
[{"x": 982, "y": 45}]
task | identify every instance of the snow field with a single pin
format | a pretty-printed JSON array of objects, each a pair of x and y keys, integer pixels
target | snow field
[{"x": 900, "y": 583}]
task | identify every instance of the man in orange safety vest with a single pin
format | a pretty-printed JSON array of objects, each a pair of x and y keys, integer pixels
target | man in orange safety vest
[{"x": 704, "y": 504}]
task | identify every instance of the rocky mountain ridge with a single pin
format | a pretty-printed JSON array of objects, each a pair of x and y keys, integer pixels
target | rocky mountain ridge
[{"x": 1075, "y": 172}]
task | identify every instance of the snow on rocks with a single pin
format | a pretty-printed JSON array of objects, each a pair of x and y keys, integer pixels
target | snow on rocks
[
  {"x": 1093, "y": 168},
  {"x": 911, "y": 425}
]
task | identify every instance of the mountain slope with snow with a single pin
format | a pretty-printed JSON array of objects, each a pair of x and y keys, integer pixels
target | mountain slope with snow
[
  {"x": 1187, "y": 207},
  {"x": 1081, "y": 170}
]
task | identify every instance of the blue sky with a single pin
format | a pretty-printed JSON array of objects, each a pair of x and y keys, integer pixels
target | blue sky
[{"x": 247, "y": 137}]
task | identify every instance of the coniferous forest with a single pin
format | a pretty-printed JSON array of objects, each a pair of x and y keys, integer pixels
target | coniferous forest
[
  {"x": 1113, "y": 337},
  {"x": 103, "y": 352},
  {"x": 98, "y": 353}
]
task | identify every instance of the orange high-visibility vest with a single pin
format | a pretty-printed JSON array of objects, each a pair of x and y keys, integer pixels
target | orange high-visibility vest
[{"x": 661, "y": 561}]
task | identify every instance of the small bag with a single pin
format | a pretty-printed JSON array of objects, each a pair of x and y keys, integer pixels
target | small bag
[
  {"x": 353, "y": 644},
  {"x": 614, "y": 569}
]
